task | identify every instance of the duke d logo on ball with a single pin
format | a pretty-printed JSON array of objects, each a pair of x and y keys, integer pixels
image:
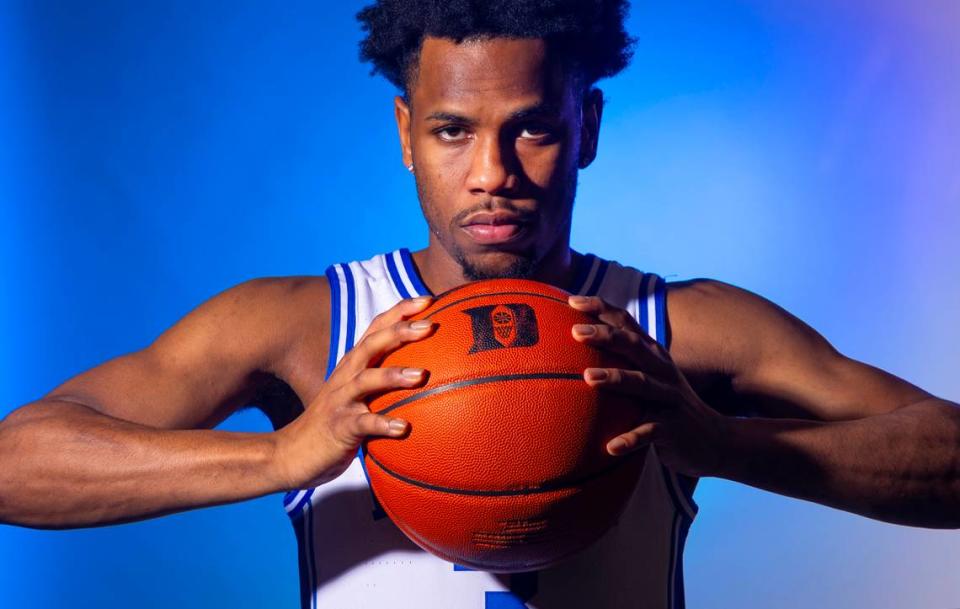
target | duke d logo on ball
[{"x": 504, "y": 325}]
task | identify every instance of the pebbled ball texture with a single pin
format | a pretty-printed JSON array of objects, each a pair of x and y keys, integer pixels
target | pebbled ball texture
[{"x": 505, "y": 467}]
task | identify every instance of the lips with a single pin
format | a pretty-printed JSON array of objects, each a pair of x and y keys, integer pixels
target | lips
[
  {"x": 492, "y": 233},
  {"x": 490, "y": 228}
]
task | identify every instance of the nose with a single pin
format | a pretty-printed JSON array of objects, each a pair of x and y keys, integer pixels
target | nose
[{"x": 492, "y": 168}]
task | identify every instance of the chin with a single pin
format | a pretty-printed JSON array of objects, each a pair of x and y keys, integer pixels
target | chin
[{"x": 497, "y": 265}]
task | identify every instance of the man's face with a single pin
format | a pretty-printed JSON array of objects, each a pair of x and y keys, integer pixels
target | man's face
[{"x": 494, "y": 130}]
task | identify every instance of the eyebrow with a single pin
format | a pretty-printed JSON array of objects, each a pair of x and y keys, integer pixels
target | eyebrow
[{"x": 543, "y": 109}]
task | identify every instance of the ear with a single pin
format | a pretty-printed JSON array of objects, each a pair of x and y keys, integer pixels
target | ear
[
  {"x": 402, "y": 112},
  {"x": 590, "y": 115}
]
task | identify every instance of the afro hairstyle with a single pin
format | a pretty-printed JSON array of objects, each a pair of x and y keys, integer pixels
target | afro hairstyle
[{"x": 586, "y": 34}]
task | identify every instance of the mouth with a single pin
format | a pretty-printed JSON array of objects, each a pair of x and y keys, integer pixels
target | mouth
[{"x": 495, "y": 228}]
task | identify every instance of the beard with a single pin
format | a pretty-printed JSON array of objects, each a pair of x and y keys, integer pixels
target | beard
[
  {"x": 523, "y": 266},
  {"x": 519, "y": 265}
]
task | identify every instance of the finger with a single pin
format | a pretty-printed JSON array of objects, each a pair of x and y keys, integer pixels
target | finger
[
  {"x": 364, "y": 424},
  {"x": 633, "y": 440},
  {"x": 377, "y": 380},
  {"x": 634, "y": 346},
  {"x": 374, "y": 347},
  {"x": 401, "y": 310},
  {"x": 604, "y": 311},
  {"x": 630, "y": 382}
]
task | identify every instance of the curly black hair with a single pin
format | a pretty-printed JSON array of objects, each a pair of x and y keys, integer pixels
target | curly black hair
[{"x": 588, "y": 34}]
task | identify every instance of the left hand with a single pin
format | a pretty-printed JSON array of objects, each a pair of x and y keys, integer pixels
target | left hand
[{"x": 687, "y": 432}]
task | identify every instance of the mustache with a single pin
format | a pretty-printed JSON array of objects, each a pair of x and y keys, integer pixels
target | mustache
[{"x": 493, "y": 205}]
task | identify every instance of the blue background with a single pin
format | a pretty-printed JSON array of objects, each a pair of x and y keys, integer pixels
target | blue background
[{"x": 156, "y": 153}]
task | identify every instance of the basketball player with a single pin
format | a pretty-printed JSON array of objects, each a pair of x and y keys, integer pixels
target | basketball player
[{"x": 498, "y": 114}]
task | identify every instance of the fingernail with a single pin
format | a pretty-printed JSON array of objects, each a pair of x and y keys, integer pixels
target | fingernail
[
  {"x": 578, "y": 300},
  {"x": 617, "y": 445},
  {"x": 412, "y": 373},
  {"x": 398, "y": 425},
  {"x": 585, "y": 329},
  {"x": 596, "y": 374},
  {"x": 422, "y": 324},
  {"x": 421, "y": 300}
]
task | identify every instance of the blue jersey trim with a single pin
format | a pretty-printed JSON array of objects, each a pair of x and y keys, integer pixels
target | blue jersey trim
[
  {"x": 642, "y": 302},
  {"x": 413, "y": 274},
  {"x": 395, "y": 276},
  {"x": 310, "y": 553},
  {"x": 305, "y": 592},
  {"x": 351, "y": 308},
  {"x": 660, "y": 299},
  {"x": 300, "y": 504},
  {"x": 333, "y": 279}
]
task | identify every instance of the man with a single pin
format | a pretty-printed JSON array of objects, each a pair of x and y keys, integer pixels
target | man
[{"x": 499, "y": 113}]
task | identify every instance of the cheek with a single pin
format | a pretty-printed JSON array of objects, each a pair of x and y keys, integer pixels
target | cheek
[
  {"x": 441, "y": 170},
  {"x": 436, "y": 192},
  {"x": 546, "y": 166}
]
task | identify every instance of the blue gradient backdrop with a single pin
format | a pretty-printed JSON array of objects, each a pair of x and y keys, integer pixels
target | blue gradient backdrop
[{"x": 155, "y": 153}]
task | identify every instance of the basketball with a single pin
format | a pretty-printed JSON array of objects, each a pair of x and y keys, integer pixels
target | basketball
[{"x": 505, "y": 467}]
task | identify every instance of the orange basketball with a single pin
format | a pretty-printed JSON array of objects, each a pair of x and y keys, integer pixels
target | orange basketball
[{"x": 505, "y": 467}]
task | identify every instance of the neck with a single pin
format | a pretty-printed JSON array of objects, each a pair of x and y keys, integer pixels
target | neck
[{"x": 441, "y": 272}]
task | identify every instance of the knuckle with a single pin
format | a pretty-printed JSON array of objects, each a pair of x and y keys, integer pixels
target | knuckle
[
  {"x": 360, "y": 423},
  {"x": 381, "y": 320},
  {"x": 364, "y": 377},
  {"x": 373, "y": 423}
]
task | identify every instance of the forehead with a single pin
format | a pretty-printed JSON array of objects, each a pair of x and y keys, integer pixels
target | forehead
[{"x": 486, "y": 71}]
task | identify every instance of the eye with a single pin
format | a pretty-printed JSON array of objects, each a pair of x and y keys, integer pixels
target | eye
[
  {"x": 535, "y": 132},
  {"x": 451, "y": 133}
]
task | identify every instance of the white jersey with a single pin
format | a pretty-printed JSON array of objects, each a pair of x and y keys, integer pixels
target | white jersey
[{"x": 352, "y": 556}]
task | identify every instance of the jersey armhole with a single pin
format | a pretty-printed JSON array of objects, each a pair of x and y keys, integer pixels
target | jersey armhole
[
  {"x": 294, "y": 501},
  {"x": 681, "y": 486}
]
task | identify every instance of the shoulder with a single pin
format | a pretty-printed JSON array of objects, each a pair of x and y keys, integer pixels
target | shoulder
[
  {"x": 708, "y": 307},
  {"x": 272, "y": 304},
  {"x": 282, "y": 311},
  {"x": 718, "y": 328}
]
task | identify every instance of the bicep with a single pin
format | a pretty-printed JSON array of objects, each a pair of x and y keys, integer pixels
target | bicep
[
  {"x": 195, "y": 374},
  {"x": 773, "y": 363}
]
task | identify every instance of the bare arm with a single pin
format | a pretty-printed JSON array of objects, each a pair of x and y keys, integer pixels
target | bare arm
[
  {"x": 125, "y": 440},
  {"x": 66, "y": 465},
  {"x": 776, "y": 407},
  {"x": 822, "y": 427}
]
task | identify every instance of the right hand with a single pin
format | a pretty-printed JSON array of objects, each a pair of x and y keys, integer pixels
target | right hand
[{"x": 320, "y": 444}]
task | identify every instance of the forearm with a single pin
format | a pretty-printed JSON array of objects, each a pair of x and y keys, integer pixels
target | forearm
[
  {"x": 64, "y": 465},
  {"x": 902, "y": 467}
]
